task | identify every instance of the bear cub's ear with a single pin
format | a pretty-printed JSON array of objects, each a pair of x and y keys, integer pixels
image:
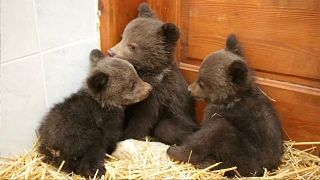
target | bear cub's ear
[
  {"x": 233, "y": 45},
  {"x": 95, "y": 56},
  {"x": 98, "y": 82},
  {"x": 238, "y": 71},
  {"x": 170, "y": 32},
  {"x": 145, "y": 11}
]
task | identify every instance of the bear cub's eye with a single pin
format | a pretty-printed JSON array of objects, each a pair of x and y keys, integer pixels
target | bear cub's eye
[
  {"x": 200, "y": 84},
  {"x": 132, "y": 46},
  {"x": 132, "y": 85}
]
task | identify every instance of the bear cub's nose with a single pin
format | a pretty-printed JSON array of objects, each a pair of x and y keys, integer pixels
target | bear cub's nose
[{"x": 111, "y": 53}]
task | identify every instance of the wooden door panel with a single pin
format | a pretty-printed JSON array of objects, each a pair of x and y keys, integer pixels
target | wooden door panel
[
  {"x": 298, "y": 110},
  {"x": 280, "y": 38}
]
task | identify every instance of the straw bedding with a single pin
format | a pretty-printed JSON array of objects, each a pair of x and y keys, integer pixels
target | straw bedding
[{"x": 147, "y": 160}]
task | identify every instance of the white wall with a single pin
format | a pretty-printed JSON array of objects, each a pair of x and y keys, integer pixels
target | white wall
[{"x": 45, "y": 46}]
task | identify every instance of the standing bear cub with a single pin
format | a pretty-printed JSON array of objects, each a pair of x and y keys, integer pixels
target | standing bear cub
[
  {"x": 88, "y": 124},
  {"x": 168, "y": 113},
  {"x": 240, "y": 127}
]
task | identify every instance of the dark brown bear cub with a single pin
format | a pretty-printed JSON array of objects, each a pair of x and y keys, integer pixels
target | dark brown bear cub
[
  {"x": 88, "y": 124},
  {"x": 240, "y": 127},
  {"x": 168, "y": 113}
]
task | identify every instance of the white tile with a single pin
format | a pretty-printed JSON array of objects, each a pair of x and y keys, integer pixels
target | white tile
[
  {"x": 64, "y": 21},
  {"x": 66, "y": 69},
  {"x": 18, "y": 29},
  {"x": 23, "y": 104}
]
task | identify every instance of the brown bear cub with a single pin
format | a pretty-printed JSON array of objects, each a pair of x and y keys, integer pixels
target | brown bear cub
[
  {"x": 241, "y": 127},
  {"x": 88, "y": 124},
  {"x": 168, "y": 113}
]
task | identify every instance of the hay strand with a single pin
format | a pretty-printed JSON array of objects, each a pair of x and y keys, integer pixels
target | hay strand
[{"x": 296, "y": 164}]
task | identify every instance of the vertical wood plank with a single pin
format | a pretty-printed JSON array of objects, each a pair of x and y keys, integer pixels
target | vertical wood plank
[
  {"x": 170, "y": 11},
  {"x": 115, "y": 15}
]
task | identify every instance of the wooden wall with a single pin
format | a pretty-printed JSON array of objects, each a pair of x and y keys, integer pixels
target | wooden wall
[{"x": 281, "y": 40}]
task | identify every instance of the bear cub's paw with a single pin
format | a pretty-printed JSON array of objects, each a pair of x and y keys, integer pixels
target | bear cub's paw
[{"x": 89, "y": 169}]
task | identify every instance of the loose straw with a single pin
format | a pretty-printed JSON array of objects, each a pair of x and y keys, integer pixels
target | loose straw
[{"x": 296, "y": 164}]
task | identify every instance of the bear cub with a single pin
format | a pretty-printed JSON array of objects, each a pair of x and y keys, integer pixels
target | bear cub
[
  {"x": 168, "y": 113},
  {"x": 241, "y": 127},
  {"x": 88, "y": 124}
]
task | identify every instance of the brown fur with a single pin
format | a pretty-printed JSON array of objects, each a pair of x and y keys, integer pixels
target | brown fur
[
  {"x": 168, "y": 113},
  {"x": 88, "y": 124},
  {"x": 240, "y": 127}
]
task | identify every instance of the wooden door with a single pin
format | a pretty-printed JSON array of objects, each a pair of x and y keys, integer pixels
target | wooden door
[{"x": 281, "y": 40}]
